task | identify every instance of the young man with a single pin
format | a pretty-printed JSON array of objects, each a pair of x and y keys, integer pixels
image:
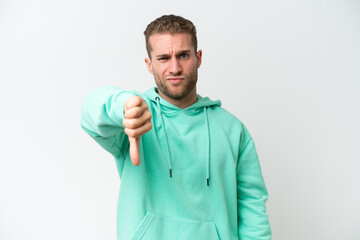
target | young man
[{"x": 188, "y": 168}]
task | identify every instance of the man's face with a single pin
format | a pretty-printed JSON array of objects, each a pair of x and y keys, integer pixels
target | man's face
[{"x": 174, "y": 64}]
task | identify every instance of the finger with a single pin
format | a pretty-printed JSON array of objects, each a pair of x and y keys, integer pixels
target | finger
[
  {"x": 138, "y": 132},
  {"x": 134, "y": 151},
  {"x": 137, "y": 122},
  {"x": 133, "y": 101},
  {"x": 134, "y": 112}
]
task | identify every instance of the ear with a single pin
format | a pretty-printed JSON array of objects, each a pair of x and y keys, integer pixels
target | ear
[
  {"x": 198, "y": 58},
  {"x": 149, "y": 65}
]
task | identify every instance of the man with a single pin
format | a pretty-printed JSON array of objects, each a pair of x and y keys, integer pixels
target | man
[{"x": 188, "y": 168}]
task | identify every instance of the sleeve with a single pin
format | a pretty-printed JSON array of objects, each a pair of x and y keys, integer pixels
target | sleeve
[
  {"x": 102, "y": 114},
  {"x": 253, "y": 223}
]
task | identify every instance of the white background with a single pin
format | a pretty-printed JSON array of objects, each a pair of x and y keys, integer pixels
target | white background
[{"x": 288, "y": 69}]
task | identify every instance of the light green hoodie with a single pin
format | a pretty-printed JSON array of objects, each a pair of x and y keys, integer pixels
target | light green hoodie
[{"x": 199, "y": 176}]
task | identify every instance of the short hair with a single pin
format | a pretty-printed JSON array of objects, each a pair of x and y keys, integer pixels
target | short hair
[{"x": 170, "y": 24}]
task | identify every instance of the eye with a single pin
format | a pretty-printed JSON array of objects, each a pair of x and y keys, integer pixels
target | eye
[
  {"x": 184, "y": 55},
  {"x": 163, "y": 58}
]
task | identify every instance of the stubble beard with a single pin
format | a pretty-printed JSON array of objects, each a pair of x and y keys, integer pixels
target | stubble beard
[{"x": 165, "y": 87}]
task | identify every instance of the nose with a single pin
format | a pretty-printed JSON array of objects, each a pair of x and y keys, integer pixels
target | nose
[{"x": 175, "y": 67}]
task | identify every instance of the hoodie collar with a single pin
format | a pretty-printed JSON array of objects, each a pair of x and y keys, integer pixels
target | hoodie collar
[{"x": 167, "y": 107}]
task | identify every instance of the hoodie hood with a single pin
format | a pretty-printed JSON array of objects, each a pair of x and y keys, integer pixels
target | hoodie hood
[{"x": 165, "y": 108}]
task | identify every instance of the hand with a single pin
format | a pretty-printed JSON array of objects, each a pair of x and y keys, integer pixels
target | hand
[{"x": 137, "y": 122}]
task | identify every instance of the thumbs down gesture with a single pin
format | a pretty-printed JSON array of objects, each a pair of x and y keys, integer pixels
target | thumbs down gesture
[{"x": 137, "y": 122}]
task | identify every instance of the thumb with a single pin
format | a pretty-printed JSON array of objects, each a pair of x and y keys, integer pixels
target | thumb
[{"x": 134, "y": 150}]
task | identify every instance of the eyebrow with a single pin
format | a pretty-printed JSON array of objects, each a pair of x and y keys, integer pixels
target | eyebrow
[{"x": 178, "y": 54}]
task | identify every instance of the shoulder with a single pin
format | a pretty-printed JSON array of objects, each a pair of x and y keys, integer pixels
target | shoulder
[
  {"x": 231, "y": 124},
  {"x": 226, "y": 117}
]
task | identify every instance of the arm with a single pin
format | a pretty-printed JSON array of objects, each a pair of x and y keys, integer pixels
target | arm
[
  {"x": 253, "y": 223},
  {"x": 102, "y": 115}
]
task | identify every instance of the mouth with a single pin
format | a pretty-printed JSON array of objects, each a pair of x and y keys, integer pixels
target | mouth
[{"x": 175, "y": 80}]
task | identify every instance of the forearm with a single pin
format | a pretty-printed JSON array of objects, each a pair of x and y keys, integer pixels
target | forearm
[
  {"x": 102, "y": 115},
  {"x": 103, "y": 111}
]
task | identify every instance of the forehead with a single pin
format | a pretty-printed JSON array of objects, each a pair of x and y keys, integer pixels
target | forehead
[{"x": 166, "y": 42}]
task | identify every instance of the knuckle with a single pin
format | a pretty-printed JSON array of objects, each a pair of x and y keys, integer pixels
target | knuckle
[
  {"x": 149, "y": 127},
  {"x": 147, "y": 115},
  {"x": 132, "y": 124},
  {"x": 133, "y": 101},
  {"x": 137, "y": 110},
  {"x": 136, "y": 101},
  {"x": 130, "y": 132},
  {"x": 128, "y": 103},
  {"x": 126, "y": 123},
  {"x": 131, "y": 113},
  {"x": 127, "y": 113}
]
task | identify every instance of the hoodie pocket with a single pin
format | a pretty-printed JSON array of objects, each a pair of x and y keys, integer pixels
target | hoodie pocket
[{"x": 158, "y": 227}]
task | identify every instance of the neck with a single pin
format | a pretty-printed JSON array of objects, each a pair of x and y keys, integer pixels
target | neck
[{"x": 182, "y": 103}]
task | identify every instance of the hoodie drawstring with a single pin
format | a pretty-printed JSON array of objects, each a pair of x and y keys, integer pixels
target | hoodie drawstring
[
  {"x": 167, "y": 142},
  {"x": 208, "y": 148},
  {"x": 165, "y": 136}
]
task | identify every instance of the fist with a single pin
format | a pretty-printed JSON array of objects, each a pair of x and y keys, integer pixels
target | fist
[{"x": 137, "y": 122}]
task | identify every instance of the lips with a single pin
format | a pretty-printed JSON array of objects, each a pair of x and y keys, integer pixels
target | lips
[{"x": 175, "y": 80}]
